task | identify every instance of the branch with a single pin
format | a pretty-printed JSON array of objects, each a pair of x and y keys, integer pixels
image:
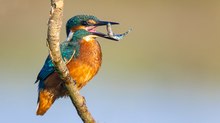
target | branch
[{"x": 53, "y": 38}]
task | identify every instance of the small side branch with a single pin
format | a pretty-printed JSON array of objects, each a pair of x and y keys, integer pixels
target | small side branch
[{"x": 53, "y": 41}]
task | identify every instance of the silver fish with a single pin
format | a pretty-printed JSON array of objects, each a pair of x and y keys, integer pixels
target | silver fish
[{"x": 115, "y": 36}]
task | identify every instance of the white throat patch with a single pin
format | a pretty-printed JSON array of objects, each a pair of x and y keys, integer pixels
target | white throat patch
[{"x": 88, "y": 38}]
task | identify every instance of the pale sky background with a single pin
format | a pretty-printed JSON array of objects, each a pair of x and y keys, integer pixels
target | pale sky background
[{"x": 167, "y": 70}]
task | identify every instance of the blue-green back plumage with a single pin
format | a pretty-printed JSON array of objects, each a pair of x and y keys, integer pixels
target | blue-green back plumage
[{"x": 69, "y": 49}]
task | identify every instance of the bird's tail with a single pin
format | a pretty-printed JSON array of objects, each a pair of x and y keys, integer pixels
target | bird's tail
[{"x": 45, "y": 100}]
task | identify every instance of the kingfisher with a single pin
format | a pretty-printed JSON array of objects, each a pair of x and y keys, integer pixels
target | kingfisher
[{"x": 82, "y": 55}]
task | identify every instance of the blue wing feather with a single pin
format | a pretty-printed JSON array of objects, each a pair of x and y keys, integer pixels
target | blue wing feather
[
  {"x": 46, "y": 70},
  {"x": 67, "y": 49}
]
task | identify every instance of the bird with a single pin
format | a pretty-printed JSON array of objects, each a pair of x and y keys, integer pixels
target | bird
[{"x": 83, "y": 57}]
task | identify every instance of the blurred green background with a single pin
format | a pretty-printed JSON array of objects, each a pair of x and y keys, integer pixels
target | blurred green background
[{"x": 167, "y": 70}]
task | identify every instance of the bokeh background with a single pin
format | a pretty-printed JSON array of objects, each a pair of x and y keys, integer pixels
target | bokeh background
[{"x": 166, "y": 71}]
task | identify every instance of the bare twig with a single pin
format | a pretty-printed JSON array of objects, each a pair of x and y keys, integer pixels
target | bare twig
[{"x": 53, "y": 40}]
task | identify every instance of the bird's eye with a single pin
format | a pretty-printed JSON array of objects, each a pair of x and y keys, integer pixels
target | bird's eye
[{"x": 84, "y": 23}]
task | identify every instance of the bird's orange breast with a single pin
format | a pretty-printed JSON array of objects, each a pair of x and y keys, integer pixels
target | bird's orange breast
[{"x": 86, "y": 65}]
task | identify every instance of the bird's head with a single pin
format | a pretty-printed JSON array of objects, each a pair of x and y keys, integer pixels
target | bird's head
[
  {"x": 86, "y": 22},
  {"x": 86, "y": 35}
]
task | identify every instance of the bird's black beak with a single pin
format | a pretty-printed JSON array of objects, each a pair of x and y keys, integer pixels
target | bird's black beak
[
  {"x": 99, "y": 34},
  {"x": 104, "y": 23}
]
